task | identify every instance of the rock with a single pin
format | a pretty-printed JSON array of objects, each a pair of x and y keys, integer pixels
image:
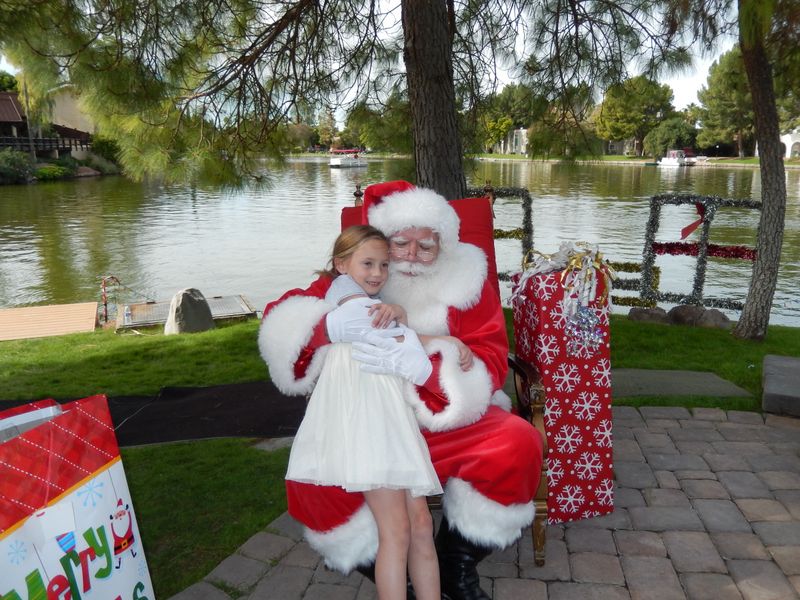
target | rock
[
  {"x": 648, "y": 315},
  {"x": 685, "y": 314},
  {"x": 87, "y": 172},
  {"x": 714, "y": 319},
  {"x": 188, "y": 313},
  {"x": 781, "y": 382}
]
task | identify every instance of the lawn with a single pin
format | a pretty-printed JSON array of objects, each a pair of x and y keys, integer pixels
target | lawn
[{"x": 197, "y": 502}]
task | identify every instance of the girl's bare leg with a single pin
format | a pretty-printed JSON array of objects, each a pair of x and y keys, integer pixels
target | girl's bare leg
[
  {"x": 391, "y": 515},
  {"x": 423, "y": 566}
]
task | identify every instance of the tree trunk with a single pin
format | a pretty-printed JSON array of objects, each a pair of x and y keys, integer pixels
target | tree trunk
[
  {"x": 755, "y": 315},
  {"x": 429, "y": 69}
]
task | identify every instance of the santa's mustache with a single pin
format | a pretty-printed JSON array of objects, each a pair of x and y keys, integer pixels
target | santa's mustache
[{"x": 411, "y": 268}]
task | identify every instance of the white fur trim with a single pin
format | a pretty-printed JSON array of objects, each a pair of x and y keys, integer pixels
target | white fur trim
[
  {"x": 468, "y": 392},
  {"x": 456, "y": 281},
  {"x": 417, "y": 207},
  {"x": 285, "y": 331},
  {"x": 482, "y": 520},
  {"x": 501, "y": 399},
  {"x": 350, "y": 545}
]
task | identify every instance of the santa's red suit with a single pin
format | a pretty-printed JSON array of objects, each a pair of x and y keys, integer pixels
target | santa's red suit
[{"x": 487, "y": 459}]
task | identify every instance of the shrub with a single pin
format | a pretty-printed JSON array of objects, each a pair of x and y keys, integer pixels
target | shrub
[
  {"x": 69, "y": 163},
  {"x": 106, "y": 148},
  {"x": 15, "y": 167},
  {"x": 52, "y": 172}
]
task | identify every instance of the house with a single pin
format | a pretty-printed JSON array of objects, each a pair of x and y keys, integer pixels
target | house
[
  {"x": 791, "y": 143},
  {"x": 12, "y": 116},
  {"x": 71, "y": 128},
  {"x": 515, "y": 142}
]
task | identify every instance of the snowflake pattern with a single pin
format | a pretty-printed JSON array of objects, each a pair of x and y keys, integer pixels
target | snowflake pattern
[
  {"x": 577, "y": 413},
  {"x": 586, "y": 406},
  {"x": 17, "y": 552},
  {"x": 588, "y": 466},
  {"x": 559, "y": 315},
  {"x": 570, "y": 499},
  {"x": 602, "y": 372},
  {"x": 566, "y": 378},
  {"x": 91, "y": 492},
  {"x": 546, "y": 349},
  {"x": 524, "y": 343},
  {"x": 568, "y": 439},
  {"x": 602, "y": 313},
  {"x": 602, "y": 434},
  {"x": 552, "y": 413},
  {"x": 545, "y": 287},
  {"x": 555, "y": 471},
  {"x": 604, "y": 493}
]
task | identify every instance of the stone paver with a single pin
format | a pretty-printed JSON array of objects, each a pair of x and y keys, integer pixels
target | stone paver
[
  {"x": 710, "y": 586},
  {"x": 707, "y": 506},
  {"x": 760, "y": 580},
  {"x": 693, "y": 552}
]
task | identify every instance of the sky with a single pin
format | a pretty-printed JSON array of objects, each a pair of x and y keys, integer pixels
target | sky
[{"x": 684, "y": 86}]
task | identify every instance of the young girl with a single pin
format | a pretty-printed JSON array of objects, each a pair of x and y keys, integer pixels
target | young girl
[{"x": 358, "y": 432}]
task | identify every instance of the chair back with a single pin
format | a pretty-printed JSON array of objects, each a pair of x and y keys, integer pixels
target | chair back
[{"x": 476, "y": 227}]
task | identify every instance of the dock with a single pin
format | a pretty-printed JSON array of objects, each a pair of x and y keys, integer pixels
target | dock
[
  {"x": 146, "y": 314},
  {"x": 44, "y": 321}
]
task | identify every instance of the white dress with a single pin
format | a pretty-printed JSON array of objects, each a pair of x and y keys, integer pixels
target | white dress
[{"x": 358, "y": 433}]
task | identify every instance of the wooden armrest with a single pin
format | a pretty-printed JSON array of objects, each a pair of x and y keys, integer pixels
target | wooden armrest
[{"x": 530, "y": 393}]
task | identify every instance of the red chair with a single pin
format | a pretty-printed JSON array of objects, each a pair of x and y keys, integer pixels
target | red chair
[{"x": 477, "y": 227}]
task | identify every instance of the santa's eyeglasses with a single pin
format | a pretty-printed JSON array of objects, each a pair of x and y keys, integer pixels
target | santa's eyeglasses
[{"x": 424, "y": 250}]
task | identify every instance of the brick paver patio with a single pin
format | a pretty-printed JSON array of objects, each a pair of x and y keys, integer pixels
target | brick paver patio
[{"x": 707, "y": 506}]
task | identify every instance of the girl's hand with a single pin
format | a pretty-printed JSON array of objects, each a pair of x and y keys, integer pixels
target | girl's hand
[
  {"x": 383, "y": 315},
  {"x": 465, "y": 357}
]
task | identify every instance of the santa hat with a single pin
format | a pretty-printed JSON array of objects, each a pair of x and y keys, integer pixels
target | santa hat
[{"x": 397, "y": 205}]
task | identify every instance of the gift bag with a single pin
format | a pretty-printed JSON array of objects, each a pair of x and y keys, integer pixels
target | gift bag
[
  {"x": 560, "y": 308},
  {"x": 67, "y": 524}
]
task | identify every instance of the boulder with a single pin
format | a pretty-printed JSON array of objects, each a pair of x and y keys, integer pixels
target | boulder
[
  {"x": 714, "y": 319},
  {"x": 648, "y": 315},
  {"x": 781, "y": 383},
  {"x": 188, "y": 313},
  {"x": 685, "y": 314}
]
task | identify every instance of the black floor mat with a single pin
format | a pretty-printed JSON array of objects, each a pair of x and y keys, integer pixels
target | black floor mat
[{"x": 181, "y": 413}]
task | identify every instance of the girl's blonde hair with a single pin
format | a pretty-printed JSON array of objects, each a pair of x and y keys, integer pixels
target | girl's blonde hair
[{"x": 348, "y": 242}]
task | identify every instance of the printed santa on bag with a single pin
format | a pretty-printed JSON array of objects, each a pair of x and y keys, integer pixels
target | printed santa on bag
[
  {"x": 561, "y": 307},
  {"x": 67, "y": 526}
]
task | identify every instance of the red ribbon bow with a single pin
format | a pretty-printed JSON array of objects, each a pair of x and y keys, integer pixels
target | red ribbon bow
[{"x": 686, "y": 231}]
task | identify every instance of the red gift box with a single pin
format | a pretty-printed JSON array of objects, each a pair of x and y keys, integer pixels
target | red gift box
[{"x": 569, "y": 342}]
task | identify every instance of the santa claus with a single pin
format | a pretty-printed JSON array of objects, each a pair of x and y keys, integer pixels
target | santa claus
[{"x": 488, "y": 460}]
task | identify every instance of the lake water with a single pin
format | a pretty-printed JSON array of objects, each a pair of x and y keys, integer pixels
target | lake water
[{"x": 57, "y": 240}]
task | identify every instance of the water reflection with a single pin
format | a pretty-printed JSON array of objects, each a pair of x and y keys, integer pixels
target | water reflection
[{"x": 57, "y": 240}]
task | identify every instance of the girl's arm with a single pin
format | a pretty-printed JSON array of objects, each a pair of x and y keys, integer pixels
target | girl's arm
[
  {"x": 465, "y": 356},
  {"x": 384, "y": 314}
]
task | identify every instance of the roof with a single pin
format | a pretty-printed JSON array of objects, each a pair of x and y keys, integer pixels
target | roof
[{"x": 10, "y": 108}]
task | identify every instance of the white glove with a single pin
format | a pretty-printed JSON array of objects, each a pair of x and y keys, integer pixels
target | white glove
[
  {"x": 408, "y": 359},
  {"x": 351, "y": 321}
]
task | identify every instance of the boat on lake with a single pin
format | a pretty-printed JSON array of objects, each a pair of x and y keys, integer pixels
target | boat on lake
[
  {"x": 342, "y": 159},
  {"x": 674, "y": 158}
]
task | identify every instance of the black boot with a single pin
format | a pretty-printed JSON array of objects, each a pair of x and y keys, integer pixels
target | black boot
[{"x": 458, "y": 562}]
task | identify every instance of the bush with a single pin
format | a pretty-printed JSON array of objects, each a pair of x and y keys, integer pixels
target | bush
[
  {"x": 15, "y": 167},
  {"x": 69, "y": 163},
  {"x": 52, "y": 172},
  {"x": 106, "y": 148}
]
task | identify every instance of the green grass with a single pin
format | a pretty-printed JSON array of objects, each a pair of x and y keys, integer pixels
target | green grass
[
  {"x": 636, "y": 345},
  {"x": 197, "y": 502},
  {"x": 103, "y": 362}
]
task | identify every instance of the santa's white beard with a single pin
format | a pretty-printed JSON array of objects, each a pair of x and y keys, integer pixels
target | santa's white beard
[{"x": 416, "y": 287}]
